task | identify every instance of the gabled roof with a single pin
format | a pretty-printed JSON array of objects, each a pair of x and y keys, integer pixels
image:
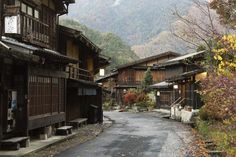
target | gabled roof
[
  {"x": 185, "y": 75},
  {"x": 147, "y": 59},
  {"x": 181, "y": 59},
  {"x": 80, "y": 36},
  {"x": 103, "y": 60},
  {"x": 186, "y": 56}
]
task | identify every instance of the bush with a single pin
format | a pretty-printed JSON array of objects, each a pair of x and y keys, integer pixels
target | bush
[
  {"x": 219, "y": 96},
  {"x": 139, "y": 98},
  {"x": 130, "y": 98},
  {"x": 203, "y": 114},
  {"x": 109, "y": 105},
  {"x": 222, "y": 134}
]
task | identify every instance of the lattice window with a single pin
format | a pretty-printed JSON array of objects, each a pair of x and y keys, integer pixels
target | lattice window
[{"x": 46, "y": 95}]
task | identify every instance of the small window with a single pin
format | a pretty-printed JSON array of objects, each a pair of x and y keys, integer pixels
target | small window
[
  {"x": 36, "y": 14},
  {"x": 23, "y": 8},
  {"x": 29, "y": 11}
]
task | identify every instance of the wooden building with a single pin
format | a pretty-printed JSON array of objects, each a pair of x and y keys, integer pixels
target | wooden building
[
  {"x": 84, "y": 96},
  {"x": 180, "y": 86},
  {"x": 131, "y": 75},
  {"x": 32, "y": 72},
  {"x": 108, "y": 84}
]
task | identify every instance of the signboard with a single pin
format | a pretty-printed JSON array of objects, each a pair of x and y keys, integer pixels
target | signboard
[{"x": 12, "y": 24}]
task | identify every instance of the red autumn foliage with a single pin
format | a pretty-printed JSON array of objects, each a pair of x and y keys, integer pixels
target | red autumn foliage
[
  {"x": 141, "y": 97},
  {"x": 130, "y": 98}
]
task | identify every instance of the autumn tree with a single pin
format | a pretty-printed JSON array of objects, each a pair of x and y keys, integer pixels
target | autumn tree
[
  {"x": 226, "y": 9},
  {"x": 201, "y": 28}
]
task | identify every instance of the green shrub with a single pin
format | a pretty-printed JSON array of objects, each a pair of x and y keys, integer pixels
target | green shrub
[{"x": 203, "y": 114}]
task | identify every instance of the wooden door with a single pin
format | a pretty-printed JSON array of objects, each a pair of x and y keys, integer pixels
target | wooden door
[{"x": 165, "y": 99}]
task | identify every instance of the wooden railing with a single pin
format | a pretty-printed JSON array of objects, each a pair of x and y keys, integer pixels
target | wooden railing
[
  {"x": 79, "y": 74},
  {"x": 34, "y": 31}
]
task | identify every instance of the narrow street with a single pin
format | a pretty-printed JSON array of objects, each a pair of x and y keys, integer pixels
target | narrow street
[{"x": 136, "y": 135}]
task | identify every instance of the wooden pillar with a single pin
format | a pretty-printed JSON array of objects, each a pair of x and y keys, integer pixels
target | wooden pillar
[
  {"x": 1, "y": 99},
  {"x": 99, "y": 100},
  {"x": 1, "y": 18},
  {"x": 66, "y": 90},
  {"x": 192, "y": 93},
  {"x": 26, "y": 117}
]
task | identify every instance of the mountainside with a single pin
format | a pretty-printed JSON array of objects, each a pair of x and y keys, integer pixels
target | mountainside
[
  {"x": 163, "y": 42},
  {"x": 112, "y": 45},
  {"x": 135, "y": 21}
]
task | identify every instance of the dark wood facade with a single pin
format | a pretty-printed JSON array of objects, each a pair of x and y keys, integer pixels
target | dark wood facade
[
  {"x": 132, "y": 74},
  {"x": 35, "y": 21},
  {"x": 184, "y": 73},
  {"x": 82, "y": 91},
  {"x": 39, "y": 91},
  {"x": 168, "y": 69},
  {"x": 32, "y": 73}
]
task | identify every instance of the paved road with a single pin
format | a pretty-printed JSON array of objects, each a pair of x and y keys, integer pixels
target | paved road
[{"x": 136, "y": 135}]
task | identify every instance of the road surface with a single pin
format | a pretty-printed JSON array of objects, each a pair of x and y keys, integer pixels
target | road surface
[{"x": 136, "y": 135}]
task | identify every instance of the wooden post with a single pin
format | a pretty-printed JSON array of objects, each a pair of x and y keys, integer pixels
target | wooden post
[
  {"x": 26, "y": 117},
  {"x": 1, "y": 99},
  {"x": 1, "y": 18}
]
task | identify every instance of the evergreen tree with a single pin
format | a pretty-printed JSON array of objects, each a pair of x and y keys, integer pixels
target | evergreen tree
[{"x": 147, "y": 81}]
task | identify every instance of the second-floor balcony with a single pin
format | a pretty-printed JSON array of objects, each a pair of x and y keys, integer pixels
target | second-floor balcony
[
  {"x": 27, "y": 29},
  {"x": 79, "y": 74}
]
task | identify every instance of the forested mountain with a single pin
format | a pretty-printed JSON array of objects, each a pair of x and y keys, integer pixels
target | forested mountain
[
  {"x": 112, "y": 45},
  {"x": 135, "y": 21},
  {"x": 144, "y": 24}
]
